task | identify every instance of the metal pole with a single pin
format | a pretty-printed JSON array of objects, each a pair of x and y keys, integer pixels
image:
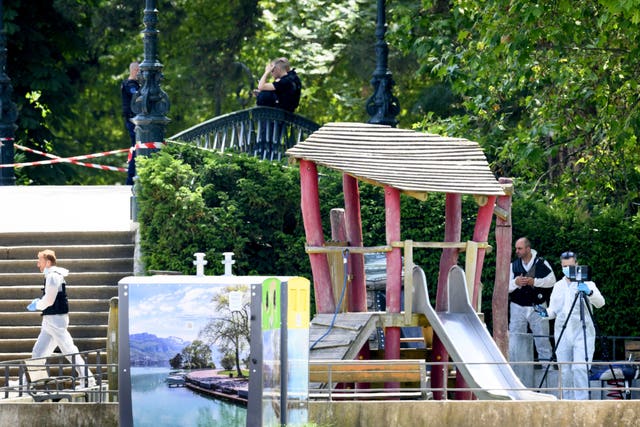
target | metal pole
[
  {"x": 8, "y": 111},
  {"x": 382, "y": 106},
  {"x": 151, "y": 103}
]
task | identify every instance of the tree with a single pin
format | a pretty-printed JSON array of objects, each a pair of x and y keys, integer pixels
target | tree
[
  {"x": 228, "y": 361},
  {"x": 176, "y": 361},
  {"x": 230, "y": 329},
  {"x": 197, "y": 355},
  {"x": 549, "y": 90}
]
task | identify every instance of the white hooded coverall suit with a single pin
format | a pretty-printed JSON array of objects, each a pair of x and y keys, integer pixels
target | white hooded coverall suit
[{"x": 571, "y": 346}]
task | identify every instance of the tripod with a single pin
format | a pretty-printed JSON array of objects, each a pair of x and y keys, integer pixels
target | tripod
[{"x": 584, "y": 303}]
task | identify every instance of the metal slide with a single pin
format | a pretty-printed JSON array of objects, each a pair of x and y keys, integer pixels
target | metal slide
[{"x": 468, "y": 342}]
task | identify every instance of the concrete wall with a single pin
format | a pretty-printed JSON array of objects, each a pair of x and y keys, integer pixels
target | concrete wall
[
  {"x": 476, "y": 413},
  {"x": 59, "y": 414}
]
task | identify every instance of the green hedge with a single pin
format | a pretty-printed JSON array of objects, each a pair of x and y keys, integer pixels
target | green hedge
[{"x": 196, "y": 201}]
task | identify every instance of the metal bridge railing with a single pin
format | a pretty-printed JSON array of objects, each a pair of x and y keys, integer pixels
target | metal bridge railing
[{"x": 263, "y": 132}]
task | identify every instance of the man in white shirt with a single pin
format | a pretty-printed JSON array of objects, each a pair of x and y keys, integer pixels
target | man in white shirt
[{"x": 530, "y": 283}]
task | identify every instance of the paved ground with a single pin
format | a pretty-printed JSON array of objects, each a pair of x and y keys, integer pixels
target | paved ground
[{"x": 65, "y": 208}]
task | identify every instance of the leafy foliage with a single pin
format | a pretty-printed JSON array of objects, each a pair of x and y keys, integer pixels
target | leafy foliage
[
  {"x": 220, "y": 204},
  {"x": 197, "y": 355},
  {"x": 230, "y": 329},
  {"x": 548, "y": 89}
]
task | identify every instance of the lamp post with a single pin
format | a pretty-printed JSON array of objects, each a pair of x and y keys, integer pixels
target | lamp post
[
  {"x": 8, "y": 111},
  {"x": 382, "y": 106},
  {"x": 151, "y": 103}
]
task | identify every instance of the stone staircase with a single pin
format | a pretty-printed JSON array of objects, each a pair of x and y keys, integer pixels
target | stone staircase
[{"x": 97, "y": 260}]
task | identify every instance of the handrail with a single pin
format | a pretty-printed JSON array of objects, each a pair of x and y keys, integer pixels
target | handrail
[
  {"x": 327, "y": 377},
  {"x": 56, "y": 365},
  {"x": 260, "y": 131}
]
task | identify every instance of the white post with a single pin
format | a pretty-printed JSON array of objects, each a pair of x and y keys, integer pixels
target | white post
[
  {"x": 228, "y": 262},
  {"x": 200, "y": 262}
]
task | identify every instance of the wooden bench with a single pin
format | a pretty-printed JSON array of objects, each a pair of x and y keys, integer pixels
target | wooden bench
[
  {"x": 412, "y": 374},
  {"x": 42, "y": 386},
  {"x": 632, "y": 350}
]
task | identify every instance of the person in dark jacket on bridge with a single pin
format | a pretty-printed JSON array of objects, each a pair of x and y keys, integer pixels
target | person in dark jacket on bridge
[
  {"x": 284, "y": 92},
  {"x": 54, "y": 305}
]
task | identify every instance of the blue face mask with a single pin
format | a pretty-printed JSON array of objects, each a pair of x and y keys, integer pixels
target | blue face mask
[{"x": 565, "y": 271}]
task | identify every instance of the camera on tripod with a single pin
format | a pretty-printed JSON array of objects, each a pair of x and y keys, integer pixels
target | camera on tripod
[{"x": 579, "y": 273}]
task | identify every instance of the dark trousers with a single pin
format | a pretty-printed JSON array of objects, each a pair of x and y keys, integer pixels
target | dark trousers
[{"x": 131, "y": 171}]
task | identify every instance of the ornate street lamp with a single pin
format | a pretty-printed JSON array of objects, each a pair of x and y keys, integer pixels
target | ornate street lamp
[
  {"x": 151, "y": 103},
  {"x": 8, "y": 111},
  {"x": 383, "y": 107}
]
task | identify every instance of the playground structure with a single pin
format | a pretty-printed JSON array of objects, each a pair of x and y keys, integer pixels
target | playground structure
[{"x": 414, "y": 164}]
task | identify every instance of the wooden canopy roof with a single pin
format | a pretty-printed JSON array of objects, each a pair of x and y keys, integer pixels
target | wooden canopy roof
[{"x": 413, "y": 162}]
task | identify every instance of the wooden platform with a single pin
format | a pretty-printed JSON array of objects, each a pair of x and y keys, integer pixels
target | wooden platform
[{"x": 349, "y": 333}]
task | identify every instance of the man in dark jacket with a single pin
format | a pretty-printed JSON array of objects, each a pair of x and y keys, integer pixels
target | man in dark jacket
[
  {"x": 531, "y": 282},
  {"x": 286, "y": 88},
  {"x": 128, "y": 88}
]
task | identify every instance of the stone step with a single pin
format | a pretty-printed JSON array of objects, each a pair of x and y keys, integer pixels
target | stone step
[
  {"x": 19, "y": 356},
  {"x": 45, "y": 239},
  {"x": 104, "y": 292},
  {"x": 93, "y": 278},
  {"x": 91, "y": 305},
  {"x": 84, "y": 265},
  {"x": 23, "y": 345},
  {"x": 29, "y": 318},
  {"x": 76, "y": 331},
  {"x": 64, "y": 252}
]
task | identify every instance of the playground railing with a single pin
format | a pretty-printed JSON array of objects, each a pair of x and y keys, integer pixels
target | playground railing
[{"x": 374, "y": 379}]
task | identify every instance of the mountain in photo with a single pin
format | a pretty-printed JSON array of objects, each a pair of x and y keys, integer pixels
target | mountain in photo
[{"x": 150, "y": 350}]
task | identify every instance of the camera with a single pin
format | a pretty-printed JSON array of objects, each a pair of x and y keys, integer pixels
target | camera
[{"x": 579, "y": 273}]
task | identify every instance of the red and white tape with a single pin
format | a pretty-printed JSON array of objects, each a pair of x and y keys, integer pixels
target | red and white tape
[
  {"x": 150, "y": 145},
  {"x": 73, "y": 160}
]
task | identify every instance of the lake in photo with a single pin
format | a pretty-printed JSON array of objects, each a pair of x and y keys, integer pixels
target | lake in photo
[{"x": 155, "y": 404}]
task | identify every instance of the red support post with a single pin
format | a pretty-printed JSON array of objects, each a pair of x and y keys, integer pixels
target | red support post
[
  {"x": 449, "y": 258},
  {"x": 310, "y": 206},
  {"x": 500, "y": 300},
  {"x": 357, "y": 298},
  {"x": 481, "y": 234},
  {"x": 394, "y": 273}
]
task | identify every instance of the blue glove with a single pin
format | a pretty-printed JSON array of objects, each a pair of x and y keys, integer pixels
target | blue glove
[
  {"x": 32, "y": 306},
  {"x": 540, "y": 310},
  {"x": 582, "y": 287}
]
